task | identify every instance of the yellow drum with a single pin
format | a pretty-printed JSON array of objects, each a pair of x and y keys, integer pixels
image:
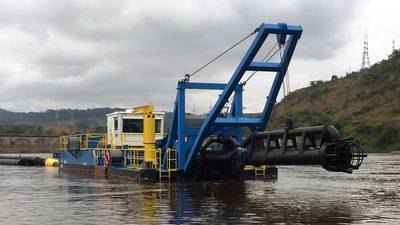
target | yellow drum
[{"x": 51, "y": 162}]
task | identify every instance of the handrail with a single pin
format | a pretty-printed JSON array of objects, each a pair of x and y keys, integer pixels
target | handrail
[
  {"x": 132, "y": 156},
  {"x": 84, "y": 140},
  {"x": 63, "y": 141}
]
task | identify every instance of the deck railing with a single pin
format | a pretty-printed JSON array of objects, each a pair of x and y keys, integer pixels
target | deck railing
[
  {"x": 86, "y": 141},
  {"x": 131, "y": 156}
]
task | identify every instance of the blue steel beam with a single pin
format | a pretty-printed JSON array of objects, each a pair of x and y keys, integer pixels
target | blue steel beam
[
  {"x": 200, "y": 86},
  {"x": 233, "y": 82},
  {"x": 263, "y": 30},
  {"x": 237, "y": 104},
  {"x": 179, "y": 133},
  {"x": 262, "y": 66},
  {"x": 172, "y": 134},
  {"x": 181, "y": 127},
  {"x": 237, "y": 110},
  {"x": 278, "y": 28},
  {"x": 273, "y": 93},
  {"x": 203, "y": 86},
  {"x": 241, "y": 122}
]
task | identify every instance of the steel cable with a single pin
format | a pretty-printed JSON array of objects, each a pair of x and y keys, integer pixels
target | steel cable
[
  {"x": 187, "y": 76},
  {"x": 278, "y": 50}
]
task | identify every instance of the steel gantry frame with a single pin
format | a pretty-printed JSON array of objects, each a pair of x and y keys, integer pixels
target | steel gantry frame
[{"x": 188, "y": 141}]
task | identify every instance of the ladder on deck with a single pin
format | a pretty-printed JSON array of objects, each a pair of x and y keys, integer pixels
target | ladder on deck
[{"x": 165, "y": 174}]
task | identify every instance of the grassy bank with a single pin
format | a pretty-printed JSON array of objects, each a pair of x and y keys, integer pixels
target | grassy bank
[{"x": 365, "y": 105}]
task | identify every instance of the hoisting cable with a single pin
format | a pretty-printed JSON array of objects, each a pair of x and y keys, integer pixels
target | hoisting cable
[
  {"x": 284, "y": 79},
  {"x": 286, "y": 85},
  {"x": 188, "y": 76},
  {"x": 286, "y": 89},
  {"x": 288, "y": 81},
  {"x": 254, "y": 72},
  {"x": 278, "y": 50}
]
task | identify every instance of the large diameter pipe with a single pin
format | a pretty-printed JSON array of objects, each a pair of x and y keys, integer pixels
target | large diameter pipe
[
  {"x": 22, "y": 160},
  {"x": 287, "y": 157},
  {"x": 332, "y": 153},
  {"x": 344, "y": 155},
  {"x": 330, "y": 132},
  {"x": 10, "y": 162}
]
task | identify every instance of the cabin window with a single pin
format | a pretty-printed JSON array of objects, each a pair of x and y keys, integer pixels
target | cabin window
[
  {"x": 132, "y": 126},
  {"x": 136, "y": 126},
  {"x": 158, "y": 125},
  {"x": 115, "y": 123}
]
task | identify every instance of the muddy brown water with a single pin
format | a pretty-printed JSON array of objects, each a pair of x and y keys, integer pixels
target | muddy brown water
[{"x": 301, "y": 195}]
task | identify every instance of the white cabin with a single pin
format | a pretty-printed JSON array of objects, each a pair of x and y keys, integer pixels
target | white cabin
[{"x": 124, "y": 128}]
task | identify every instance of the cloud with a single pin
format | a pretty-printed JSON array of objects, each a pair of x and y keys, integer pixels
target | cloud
[{"x": 101, "y": 53}]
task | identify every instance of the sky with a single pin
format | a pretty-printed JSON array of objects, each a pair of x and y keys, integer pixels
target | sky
[{"x": 124, "y": 53}]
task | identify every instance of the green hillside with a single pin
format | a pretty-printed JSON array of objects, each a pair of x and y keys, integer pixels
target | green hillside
[
  {"x": 67, "y": 121},
  {"x": 48, "y": 123},
  {"x": 365, "y": 105}
]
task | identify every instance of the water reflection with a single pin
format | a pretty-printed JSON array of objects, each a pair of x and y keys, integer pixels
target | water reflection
[
  {"x": 210, "y": 202},
  {"x": 301, "y": 195}
]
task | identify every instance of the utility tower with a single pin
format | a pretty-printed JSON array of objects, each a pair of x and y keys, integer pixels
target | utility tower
[
  {"x": 393, "y": 47},
  {"x": 56, "y": 117},
  {"x": 365, "y": 57},
  {"x": 72, "y": 118}
]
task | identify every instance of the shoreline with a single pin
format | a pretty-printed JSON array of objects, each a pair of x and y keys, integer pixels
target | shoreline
[{"x": 25, "y": 151}]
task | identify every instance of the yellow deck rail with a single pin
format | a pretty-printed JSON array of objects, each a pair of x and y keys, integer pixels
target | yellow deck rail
[
  {"x": 63, "y": 143},
  {"x": 132, "y": 156},
  {"x": 99, "y": 153},
  {"x": 84, "y": 140},
  {"x": 171, "y": 164},
  {"x": 259, "y": 172}
]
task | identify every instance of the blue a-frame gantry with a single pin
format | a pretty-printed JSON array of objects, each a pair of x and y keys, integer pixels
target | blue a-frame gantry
[{"x": 187, "y": 141}]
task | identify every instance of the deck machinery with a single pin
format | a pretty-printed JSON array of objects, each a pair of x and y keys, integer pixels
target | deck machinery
[{"x": 217, "y": 148}]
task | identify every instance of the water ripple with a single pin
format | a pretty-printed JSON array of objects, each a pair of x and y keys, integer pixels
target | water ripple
[{"x": 301, "y": 195}]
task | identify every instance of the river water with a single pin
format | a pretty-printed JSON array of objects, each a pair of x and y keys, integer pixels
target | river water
[{"x": 301, "y": 195}]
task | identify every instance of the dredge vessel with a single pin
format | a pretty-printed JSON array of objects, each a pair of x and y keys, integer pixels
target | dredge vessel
[{"x": 215, "y": 147}]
